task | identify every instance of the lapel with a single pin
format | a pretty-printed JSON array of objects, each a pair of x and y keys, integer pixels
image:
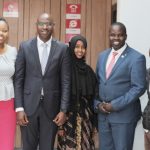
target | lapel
[
  {"x": 36, "y": 54},
  {"x": 104, "y": 62},
  {"x": 121, "y": 59},
  {"x": 50, "y": 57}
]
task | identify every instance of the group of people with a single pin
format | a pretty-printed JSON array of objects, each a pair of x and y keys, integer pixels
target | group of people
[{"x": 54, "y": 91}]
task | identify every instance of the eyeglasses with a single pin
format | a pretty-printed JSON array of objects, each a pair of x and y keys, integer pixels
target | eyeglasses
[{"x": 48, "y": 24}]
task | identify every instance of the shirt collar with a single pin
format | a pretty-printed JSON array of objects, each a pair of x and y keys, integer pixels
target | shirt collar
[
  {"x": 120, "y": 51},
  {"x": 40, "y": 42}
]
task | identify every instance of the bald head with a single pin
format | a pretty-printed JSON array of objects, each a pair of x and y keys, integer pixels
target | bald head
[
  {"x": 45, "y": 26},
  {"x": 45, "y": 16}
]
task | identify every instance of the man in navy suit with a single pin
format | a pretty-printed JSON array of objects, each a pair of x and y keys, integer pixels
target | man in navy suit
[
  {"x": 42, "y": 86},
  {"x": 121, "y": 72}
]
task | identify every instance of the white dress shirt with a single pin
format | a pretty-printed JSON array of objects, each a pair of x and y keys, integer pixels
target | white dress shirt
[
  {"x": 120, "y": 51},
  {"x": 7, "y": 69},
  {"x": 40, "y": 45}
]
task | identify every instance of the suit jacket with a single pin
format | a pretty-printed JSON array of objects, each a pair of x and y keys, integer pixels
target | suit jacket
[
  {"x": 29, "y": 79},
  {"x": 126, "y": 83}
]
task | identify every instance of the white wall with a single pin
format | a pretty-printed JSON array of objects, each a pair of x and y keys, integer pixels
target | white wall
[{"x": 135, "y": 14}]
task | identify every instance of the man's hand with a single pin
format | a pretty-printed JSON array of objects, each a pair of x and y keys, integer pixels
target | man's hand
[
  {"x": 105, "y": 107},
  {"x": 102, "y": 108},
  {"x": 108, "y": 107},
  {"x": 22, "y": 119},
  {"x": 60, "y": 119}
]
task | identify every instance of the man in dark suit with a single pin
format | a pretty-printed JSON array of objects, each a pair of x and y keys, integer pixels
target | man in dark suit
[
  {"x": 121, "y": 72},
  {"x": 42, "y": 86}
]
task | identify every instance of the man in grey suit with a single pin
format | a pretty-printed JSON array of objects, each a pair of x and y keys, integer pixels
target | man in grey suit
[
  {"x": 42, "y": 86},
  {"x": 121, "y": 72}
]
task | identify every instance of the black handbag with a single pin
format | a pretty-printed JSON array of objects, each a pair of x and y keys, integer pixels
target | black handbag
[
  {"x": 146, "y": 117},
  {"x": 146, "y": 112}
]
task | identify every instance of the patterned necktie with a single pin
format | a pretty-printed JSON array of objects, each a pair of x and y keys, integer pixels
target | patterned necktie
[
  {"x": 44, "y": 58},
  {"x": 111, "y": 65}
]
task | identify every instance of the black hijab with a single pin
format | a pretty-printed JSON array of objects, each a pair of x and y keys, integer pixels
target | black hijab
[{"x": 83, "y": 77}]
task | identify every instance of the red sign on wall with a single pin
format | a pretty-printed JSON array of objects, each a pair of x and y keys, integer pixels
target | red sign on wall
[
  {"x": 73, "y": 9},
  {"x": 73, "y": 21},
  {"x": 10, "y": 9}
]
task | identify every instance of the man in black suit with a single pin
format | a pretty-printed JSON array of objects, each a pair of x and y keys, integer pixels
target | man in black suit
[{"x": 42, "y": 86}]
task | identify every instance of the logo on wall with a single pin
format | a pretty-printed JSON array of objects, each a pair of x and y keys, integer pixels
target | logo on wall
[
  {"x": 73, "y": 8},
  {"x": 73, "y": 21},
  {"x": 10, "y": 9}
]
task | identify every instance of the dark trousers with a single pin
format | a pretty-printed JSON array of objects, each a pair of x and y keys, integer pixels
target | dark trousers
[{"x": 40, "y": 131}]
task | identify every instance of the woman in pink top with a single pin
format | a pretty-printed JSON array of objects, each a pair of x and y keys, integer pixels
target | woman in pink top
[{"x": 7, "y": 112}]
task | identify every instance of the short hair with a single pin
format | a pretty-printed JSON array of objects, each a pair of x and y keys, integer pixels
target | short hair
[
  {"x": 4, "y": 20},
  {"x": 122, "y": 26}
]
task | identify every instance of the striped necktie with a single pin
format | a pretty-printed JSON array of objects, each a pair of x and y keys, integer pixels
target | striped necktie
[{"x": 111, "y": 65}]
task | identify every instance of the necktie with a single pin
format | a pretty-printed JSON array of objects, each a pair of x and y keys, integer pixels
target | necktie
[
  {"x": 111, "y": 65},
  {"x": 44, "y": 58}
]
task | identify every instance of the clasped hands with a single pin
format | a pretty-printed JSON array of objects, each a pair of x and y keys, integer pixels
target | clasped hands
[{"x": 105, "y": 107}]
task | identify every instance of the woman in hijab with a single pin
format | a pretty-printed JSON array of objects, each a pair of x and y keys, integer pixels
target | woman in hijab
[{"x": 77, "y": 132}]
